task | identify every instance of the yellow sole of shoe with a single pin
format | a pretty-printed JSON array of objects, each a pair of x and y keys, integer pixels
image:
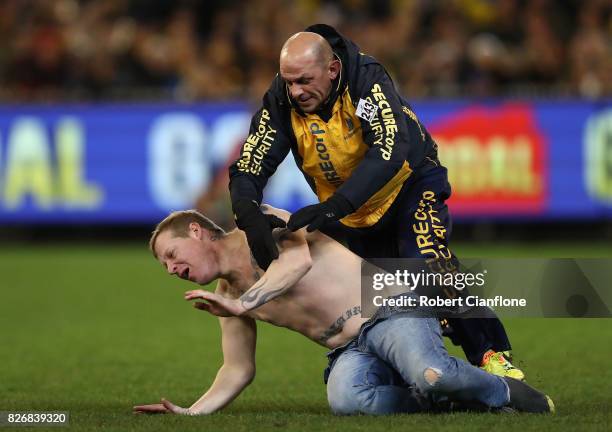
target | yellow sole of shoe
[
  {"x": 551, "y": 405},
  {"x": 516, "y": 374}
]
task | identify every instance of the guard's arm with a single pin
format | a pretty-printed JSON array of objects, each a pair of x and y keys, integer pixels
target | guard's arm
[
  {"x": 389, "y": 128},
  {"x": 264, "y": 149}
]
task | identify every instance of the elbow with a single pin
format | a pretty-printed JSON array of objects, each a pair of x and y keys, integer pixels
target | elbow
[
  {"x": 245, "y": 373},
  {"x": 308, "y": 265},
  {"x": 248, "y": 376},
  {"x": 242, "y": 375},
  {"x": 299, "y": 267},
  {"x": 395, "y": 164},
  {"x": 305, "y": 264}
]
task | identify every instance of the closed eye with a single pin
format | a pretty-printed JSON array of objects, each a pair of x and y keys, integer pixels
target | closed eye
[
  {"x": 169, "y": 255},
  {"x": 301, "y": 81}
]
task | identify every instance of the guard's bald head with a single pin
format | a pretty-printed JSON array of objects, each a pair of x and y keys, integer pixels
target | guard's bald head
[
  {"x": 308, "y": 67},
  {"x": 307, "y": 46}
]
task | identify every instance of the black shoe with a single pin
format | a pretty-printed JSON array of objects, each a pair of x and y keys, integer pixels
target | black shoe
[
  {"x": 525, "y": 398},
  {"x": 477, "y": 407}
]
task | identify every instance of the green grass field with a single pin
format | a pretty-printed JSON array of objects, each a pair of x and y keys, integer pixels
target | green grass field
[{"x": 94, "y": 330}]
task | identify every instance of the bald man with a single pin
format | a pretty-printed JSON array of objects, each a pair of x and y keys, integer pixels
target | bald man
[{"x": 371, "y": 163}]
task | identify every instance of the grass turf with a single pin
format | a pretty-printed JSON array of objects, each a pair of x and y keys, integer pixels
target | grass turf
[{"x": 96, "y": 329}]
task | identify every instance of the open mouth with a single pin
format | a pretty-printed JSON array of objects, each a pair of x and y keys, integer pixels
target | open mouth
[{"x": 185, "y": 274}]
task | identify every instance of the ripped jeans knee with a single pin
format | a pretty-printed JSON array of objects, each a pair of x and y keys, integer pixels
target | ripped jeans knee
[
  {"x": 432, "y": 375},
  {"x": 436, "y": 378}
]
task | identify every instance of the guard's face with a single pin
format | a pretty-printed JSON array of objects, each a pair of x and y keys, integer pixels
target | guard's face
[
  {"x": 309, "y": 82},
  {"x": 189, "y": 258}
]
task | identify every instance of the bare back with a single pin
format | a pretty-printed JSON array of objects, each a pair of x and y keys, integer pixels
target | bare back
[{"x": 324, "y": 305}]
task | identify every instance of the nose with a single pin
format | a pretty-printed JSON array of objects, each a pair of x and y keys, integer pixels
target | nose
[
  {"x": 296, "y": 91},
  {"x": 172, "y": 268}
]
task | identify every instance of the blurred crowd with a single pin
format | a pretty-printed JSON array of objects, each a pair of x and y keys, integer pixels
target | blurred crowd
[{"x": 191, "y": 50}]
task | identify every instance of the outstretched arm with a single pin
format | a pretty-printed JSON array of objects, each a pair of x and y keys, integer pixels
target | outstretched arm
[{"x": 238, "y": 339}]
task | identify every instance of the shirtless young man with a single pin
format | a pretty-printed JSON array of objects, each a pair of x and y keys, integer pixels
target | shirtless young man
[{"x": 314, "y": 288}]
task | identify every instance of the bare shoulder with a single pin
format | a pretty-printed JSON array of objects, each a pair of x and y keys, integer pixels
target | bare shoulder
[
  {"x": 300, "y": 236},
  {"x": 281, "y": 213},
  {"x": 283, "y": 235}
]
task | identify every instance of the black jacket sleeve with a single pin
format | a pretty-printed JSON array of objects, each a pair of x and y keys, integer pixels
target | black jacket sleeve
[
  {"x": 264, "y": 149},
  {"x": 389, "y": 132}
]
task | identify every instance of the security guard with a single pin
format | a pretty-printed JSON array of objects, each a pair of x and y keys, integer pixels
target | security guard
[{"x": 371, "y": 163}]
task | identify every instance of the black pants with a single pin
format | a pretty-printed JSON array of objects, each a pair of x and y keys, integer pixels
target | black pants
[{"x": 418, "y": 225}]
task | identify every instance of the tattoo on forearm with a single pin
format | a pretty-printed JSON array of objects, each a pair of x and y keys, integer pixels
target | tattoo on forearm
[
  {"x": 338, "y": 325},
  {"x": 256, "y": 296}
]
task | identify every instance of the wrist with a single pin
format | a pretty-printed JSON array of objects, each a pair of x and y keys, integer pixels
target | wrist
[
  {"x": 244, "y": 211},
  {"x": 241, "y": 309},
  {"x": 244, "y": 205},
  {"x": 340, "y": 205},
  {"x": 196, "y": 412}
]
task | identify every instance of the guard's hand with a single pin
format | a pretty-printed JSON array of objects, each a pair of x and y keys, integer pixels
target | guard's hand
[
  {"x": 258, "y": 229},
  {"x": 317, "y": 215}
]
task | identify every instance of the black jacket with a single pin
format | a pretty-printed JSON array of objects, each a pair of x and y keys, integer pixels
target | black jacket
[{"x": 363, "y": 143}]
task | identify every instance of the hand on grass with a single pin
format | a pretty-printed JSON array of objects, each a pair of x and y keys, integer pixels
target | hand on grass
[
  {"x": 216, "y": 304},
  {"x": 165, "y": 407}
]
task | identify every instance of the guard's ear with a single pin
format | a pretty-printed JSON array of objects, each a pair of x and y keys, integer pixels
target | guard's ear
[{"x": 334, "y": 68}]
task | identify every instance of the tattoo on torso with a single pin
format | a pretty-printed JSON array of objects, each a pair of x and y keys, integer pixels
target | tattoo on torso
[{"x": 338, "y": 325}]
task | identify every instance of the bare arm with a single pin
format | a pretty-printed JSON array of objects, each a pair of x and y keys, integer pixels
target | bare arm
[
  {"x": 293, "y": 263},
  {"x": 238, "y": 337},
  {"x": 238, "y": 341}
]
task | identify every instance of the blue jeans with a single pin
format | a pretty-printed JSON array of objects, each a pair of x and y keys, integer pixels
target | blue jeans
[
  {"x": 394, "y": 236},
  {"x": 400, "y": 365}
]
